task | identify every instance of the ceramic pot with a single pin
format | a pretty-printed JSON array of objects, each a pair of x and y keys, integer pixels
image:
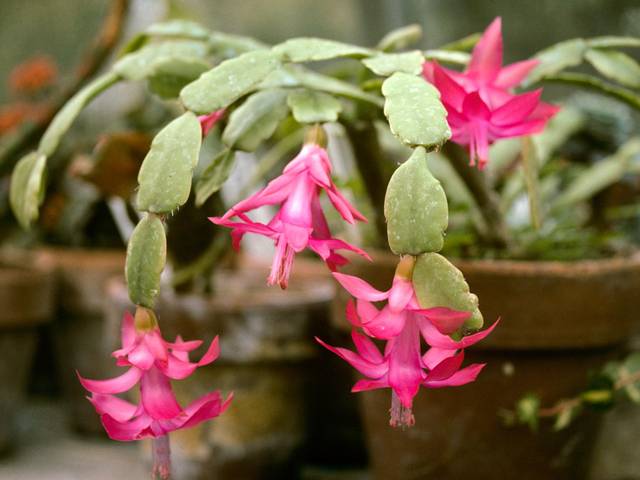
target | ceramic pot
[
  {"x": 77, "y": 334},
  {"x": 26, "y": 298}
]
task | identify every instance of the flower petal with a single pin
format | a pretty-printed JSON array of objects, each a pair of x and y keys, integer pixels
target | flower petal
[
  {"x": 461, "y": 377},
  {"x": 486, "y": 58},
  {"x": 359, "y": 288},
  {"x": 365, "y": 367},
  {"x": 128, "y": 331},
  {"x": 135, "y": 429},
  {"x": 446, "y": 368},
  {"x": 400, "y": 294},
  {"x": 445, "y": 319},
  {"x": 211, "y": 354},
  {"x": 451, "y": 92},
  {"x": 157, "y": 396},
  {"x": 517, "y": 109},
  {"x": 366, "y": 384},
  {"x": 366, "y": 348},
  {"x": 511, "y": 75},
  {"x": 119, "y": 384},
  {"x": 436, "y": 355},
  {"x": 435, "y": 339},
  {"x": 119, "y": 409}
]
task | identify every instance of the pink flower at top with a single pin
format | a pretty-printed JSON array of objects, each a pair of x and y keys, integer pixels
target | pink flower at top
[
  {"x": 300, "y": 221},
  {"x": 479, "y": 101},
  {"x": 152, "y": 363},
  {"x": 207, "y": 122}
]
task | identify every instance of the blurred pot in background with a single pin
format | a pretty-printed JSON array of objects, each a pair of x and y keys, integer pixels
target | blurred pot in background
[
  {"x": 81, "y": 276},
  {"x": 26, "y": 297}
]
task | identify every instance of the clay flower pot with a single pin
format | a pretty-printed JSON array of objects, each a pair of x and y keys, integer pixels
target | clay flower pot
[
  {"x": 267, "y": 348},
  {"x": 81, "y": 276},
  {"x": 559, "y": 320},
  {"x": 26, "y": 298}
]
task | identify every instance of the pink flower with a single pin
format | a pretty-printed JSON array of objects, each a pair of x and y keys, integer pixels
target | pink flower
[
  {"x": 300, "y": 221},
  {"x": 401, "y": 305},
  {"x": 207, "y": 122},
  {"x": 152, "y": 363},
  {"x": 403, "y": 367},
  {"x": 480, "y": 105},
  {"x": 402, "y": 322}
]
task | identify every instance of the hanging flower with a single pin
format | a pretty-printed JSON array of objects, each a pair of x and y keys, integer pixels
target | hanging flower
[
  {"x": 300, "y": 222},
  {"x": 152, "y": 363},
  {"x": 402, "y": 367},
  {"x": 479, "y": 101}
]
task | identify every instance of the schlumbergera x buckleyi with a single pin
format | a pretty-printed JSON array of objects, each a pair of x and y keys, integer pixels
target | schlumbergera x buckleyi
[
  {"x": 236, "y": 94},
  {"x": 430, "y": 305}
]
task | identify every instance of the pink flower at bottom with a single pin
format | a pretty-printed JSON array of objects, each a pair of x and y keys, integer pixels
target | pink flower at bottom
[
  {"x": 403, "y": 368},
  {"x": 152, "y": 363},
  {"x": 300, "y": 222},
  {"x": 207, "y": 122},
  {"x": 481, "y": 107}
]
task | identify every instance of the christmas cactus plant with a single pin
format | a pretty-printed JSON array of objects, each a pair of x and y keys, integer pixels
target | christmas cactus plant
[{"x": 244, "y": 94}]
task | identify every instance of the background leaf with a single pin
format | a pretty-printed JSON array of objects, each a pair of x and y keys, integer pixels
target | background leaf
[
  {"x": 27, "y": 187},
  {"x": 228, "y": 81},
  {"x": 316, "y": 49},
  {"x": 617, "y": 66},
  {"x": 214, "y": 176},
  {"x": 386, "y": 64},
  {"x": 255, "y": 120},
  {"x": 557, "y": 58},
  {"x": 310, "y": 107}
]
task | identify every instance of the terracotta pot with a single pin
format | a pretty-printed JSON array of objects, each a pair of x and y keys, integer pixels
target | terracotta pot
[
  {"x": 81, "y": 276},
  {"x": 267, "y": 349},
  {"x": 558, "y": 322},
  {"x": 26, "y": 297}
]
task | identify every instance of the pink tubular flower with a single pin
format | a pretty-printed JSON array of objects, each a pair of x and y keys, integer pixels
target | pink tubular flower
[
  {"x": 300, "y": 222},
  {"x": 207, "y": 122},
  {"x": 152, "y": 363},
  {"x": 402, "y": 322},
  {"x": 479, "y": 101}
]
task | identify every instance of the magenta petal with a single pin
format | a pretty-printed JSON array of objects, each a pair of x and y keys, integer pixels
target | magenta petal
[
  {"x": 405, "y": 366},
  {"x": 445, "y": 319},
  {"x": 486, "y": 58},
  {"x": 365, "y": 367},
  {"x": 157, "y": 396},
  {"x": 511, "y": 75},
  {"x": 461, "y": 377},
  {"x": 365, "y": 384},
  {"x": 366, "y": 311},
  {"x": 436, "y": 355},
  {"x": 135, "y": 429},
  {"x": 182, "y": 346},
  {"x": 474, "y": 108},
  {"x": 451, "y": 92},
  {"x": 211, "y": 354},
  {"x": 446, "y": 368},
  {"x": 366, "y": 348},
  {"x": 177, "y": 368},
  {"x": 387, "y": 324},
  {"x": 119, "y": 384},
  {"x": 435, "y": 339},
  {"x": 128, "y": 331},
  {"x": 352, "y": 314},
  {"x": 205, "y": 408},
  {"x": 119, "y": 409},
  {"x": 359, "y": 288},
  {"x": 400, "y": 294},
  {"x": 517, "y": 109},
  {"x": 141, "y": 356}
]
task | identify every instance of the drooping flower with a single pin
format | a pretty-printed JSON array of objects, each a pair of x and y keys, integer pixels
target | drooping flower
[
  {"x": 153, "y": 363},
  {"x": 300, "y": 221},
  {"x": 403, "y": 368},
  {"x": 207, "y": 122},
  {"x": 480, "y": 104},
  {"x": 401, "y": 322}
]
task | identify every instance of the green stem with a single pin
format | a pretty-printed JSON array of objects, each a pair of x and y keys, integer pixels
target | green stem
[
  {"x": 373, "y": 167},
  {"x": 594, "y": 83},
  {"x": 487, "y": 200}
]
